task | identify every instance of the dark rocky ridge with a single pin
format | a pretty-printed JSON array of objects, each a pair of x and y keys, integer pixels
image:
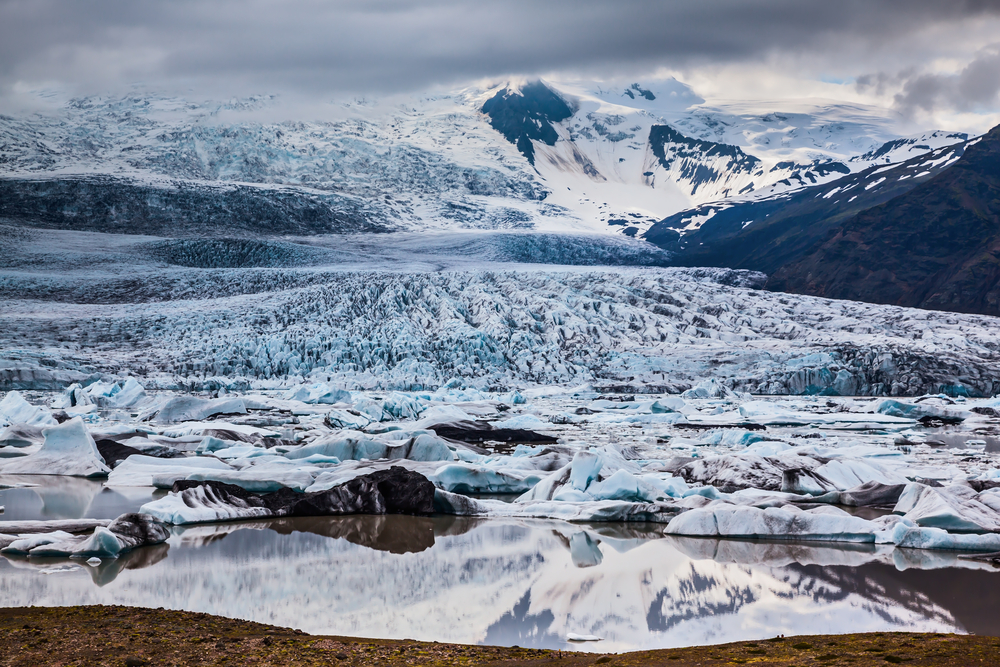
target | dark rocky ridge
[
  {"x": 693, "y": 152},
  {"x": 765, "y": 234},
  {"x": 182, "y": 208},
  {"x": 527, "y": 115},
  {"x": 936, "y": 246}
]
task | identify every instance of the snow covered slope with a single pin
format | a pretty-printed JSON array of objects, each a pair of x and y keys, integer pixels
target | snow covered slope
[{"x": 548, "y": 156}]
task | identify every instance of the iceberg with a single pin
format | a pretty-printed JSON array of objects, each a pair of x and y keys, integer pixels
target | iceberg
[
  {"x": 952, "y": 508},
  {"x": 318, "y": 393},
  {"x": 470, "y": 478},
  {"x": 721, "y": 519},
  {"x": 392, "y": 491},
  {"x": 68, "y": 449},
  {"x": 192, "y": 408},
  {"x": 127, "y": 532},
  {"x": 15, "y": 410},
  {"x": 21, "y": 435},
  {"x": 140, "y": 470}
]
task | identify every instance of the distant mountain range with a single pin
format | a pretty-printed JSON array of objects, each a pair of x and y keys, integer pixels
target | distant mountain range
[
  {"x": 823, "y": 197},
  {"x": 535, "y": 156}
]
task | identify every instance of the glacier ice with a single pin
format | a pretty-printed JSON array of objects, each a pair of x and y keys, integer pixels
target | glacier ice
[
  {"x": 15, "y": 410},
  {"x": 68, "y": 449},
  {"x": 708, "y": 471},
  {"x": 192, "y": 408}
]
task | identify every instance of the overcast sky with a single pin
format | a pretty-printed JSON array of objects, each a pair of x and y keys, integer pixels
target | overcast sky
[{"x": 936, "y": 62}]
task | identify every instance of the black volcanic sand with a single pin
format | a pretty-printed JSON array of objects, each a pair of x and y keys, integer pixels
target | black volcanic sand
[{"x": 131, "y": 636}]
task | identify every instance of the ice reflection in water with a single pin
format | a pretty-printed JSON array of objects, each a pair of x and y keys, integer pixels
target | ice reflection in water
[{"x": 521, "y": 582}]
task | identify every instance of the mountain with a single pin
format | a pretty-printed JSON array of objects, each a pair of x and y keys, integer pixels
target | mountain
[
  {"x": 765, "y": 233},
  {"x": 533, "y": 156},
  {"x": 936, "y": 246}
]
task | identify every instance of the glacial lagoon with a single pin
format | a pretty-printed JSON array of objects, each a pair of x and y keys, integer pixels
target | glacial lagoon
[{"x": 500, "y": 581}]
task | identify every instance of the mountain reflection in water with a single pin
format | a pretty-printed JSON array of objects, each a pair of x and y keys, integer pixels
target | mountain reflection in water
[{"x": 521, "y": 582}]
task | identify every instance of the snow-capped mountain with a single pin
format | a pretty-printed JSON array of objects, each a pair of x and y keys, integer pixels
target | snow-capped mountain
[{"x": 547, "y": 156}]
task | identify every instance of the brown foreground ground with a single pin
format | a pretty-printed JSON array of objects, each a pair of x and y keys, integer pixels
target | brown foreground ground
[{"x": 132, "y": 637}]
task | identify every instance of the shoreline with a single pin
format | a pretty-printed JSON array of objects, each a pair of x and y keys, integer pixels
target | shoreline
[{"x": 132, "y": 636}]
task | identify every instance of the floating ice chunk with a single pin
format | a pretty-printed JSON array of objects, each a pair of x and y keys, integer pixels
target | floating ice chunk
[
  {"x": 905, "y": 534},
  {"x": 25, "y": 544},
  {"x": 784, "y": 523},
  {"x": 103, "y": 543},
  {"x": 896, "y": 408},
  {"x": 318, "y": 393},
  {"x": 734, "y": 437},
  {"x": 130, "y": 394},
  {"x": 848, "y": 473},
  {"x": 402, "y": 406},
  {"x": 344, "y": 419},
  {"x": 192, "y": 408},
  {"x": 764, "y": 412},
  {"x": 623, "y": 485},
  {"x": 395, "y": 490},
  {"x": 872, "y": 494},
  {"x": 15, "y": 410},
  {"x": 952, "y": 508},
  {"x": 68, "y": 449},
  {"x": 522, "y": 422},
  {"x": 767, "y": 448},
  {"x": 212, "y": 444},
  {"x": 668, "y": 404},
  {"x": 567, "y": 494},
  {"x": 442, "y": 414},
  {"x": 805, "y": 482},
  {"x": 573, "y": 637},
  {"x": 21, "y": 435},
  {"x": 423, "y": 447},
  {"x": 138, "y": 470},
  {"x": 513, "y": 398},
  {"x": 201, "y": 504},
  {"x": 466, "y": 478},
  {"x": 257, "y": 481},
  {"x": 584, "y": 469},
  {"x": 371, "y": 409},
  {"x": 734, "y": 472},
  {"x": 712, "y": 388},
  {"x": 594, "y": 510},
  {"x": 93, "y": 561},
  {"x": 548, "y": 486}
]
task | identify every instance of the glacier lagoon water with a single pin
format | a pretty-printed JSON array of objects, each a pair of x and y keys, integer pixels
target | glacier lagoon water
[{"x": 498, "y": 581}]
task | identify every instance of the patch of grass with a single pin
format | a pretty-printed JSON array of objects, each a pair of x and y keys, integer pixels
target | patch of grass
[
  {"x": 802, "y": 646},
  {"x": 117, "y": 636}
]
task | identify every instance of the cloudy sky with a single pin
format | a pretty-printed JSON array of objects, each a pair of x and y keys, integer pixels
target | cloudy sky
[{"x": 936, "y": 62}]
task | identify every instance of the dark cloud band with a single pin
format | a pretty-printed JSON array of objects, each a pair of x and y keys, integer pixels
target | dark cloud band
[{"x": 388, "y": 45}]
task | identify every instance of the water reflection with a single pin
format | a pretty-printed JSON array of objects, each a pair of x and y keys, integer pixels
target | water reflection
[
  {"x": 523, "y": 582},
  {"x": 46, "y": 497}
]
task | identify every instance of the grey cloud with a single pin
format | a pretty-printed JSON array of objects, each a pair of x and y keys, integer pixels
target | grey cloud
[
  {"x": 975, "y": 87},
  {"x": 389, "y": 45}
]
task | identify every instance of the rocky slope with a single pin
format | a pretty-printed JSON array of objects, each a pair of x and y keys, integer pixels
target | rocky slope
[
  {"x": 936, "y": 246},
  {"x": 765, "y": 233}
]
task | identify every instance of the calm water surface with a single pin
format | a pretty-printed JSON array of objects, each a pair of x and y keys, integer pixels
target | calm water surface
[{"x": 500, "y": 581}]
